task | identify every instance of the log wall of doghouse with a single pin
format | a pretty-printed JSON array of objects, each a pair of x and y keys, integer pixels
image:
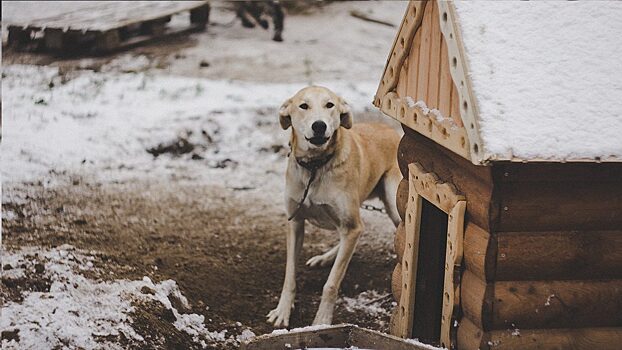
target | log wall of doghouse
[{"x": 542, "y": 249}]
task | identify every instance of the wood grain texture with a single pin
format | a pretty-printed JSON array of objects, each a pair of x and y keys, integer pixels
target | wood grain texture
[
  {"x": 474, "y": 182},
  {"x": 413, "y": 63},
  {"x": 541, "y": 304},
  {"x": 560, "y": 255},
  {"x": 401, "y": 198},
  {"x": 423, "y": 69},
  {"x": 476, "y": 297},
  {"x": 426, "y": 122},
  {"x": 554, "y": 339},
  {"x": 560, "y": 206},
  {"x": 404, "y": 323},
  {"x": 470, "y": 337},
  {"x": 435, "y": 53},
  {"x": 400, "y": 50},
  {"x": 480, "y": 252},
  {"x": 400, "y": 241},
  {"x": 396, "y": 282},
  {"x": 557, "y": 304},
  {"x": 402, "y": 83},
  {"x": 558, "y": 172},
  {"x": 453, "y": 266}
]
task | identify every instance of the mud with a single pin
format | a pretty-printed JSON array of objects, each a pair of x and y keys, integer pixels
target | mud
[{"x": 225, "y": 248}]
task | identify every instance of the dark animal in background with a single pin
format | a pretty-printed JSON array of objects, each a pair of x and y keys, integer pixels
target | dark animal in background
[{"x": 252, "y": 13}]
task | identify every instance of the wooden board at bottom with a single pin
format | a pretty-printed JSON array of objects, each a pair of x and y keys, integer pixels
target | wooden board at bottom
[{"x": 338, "y": 336}]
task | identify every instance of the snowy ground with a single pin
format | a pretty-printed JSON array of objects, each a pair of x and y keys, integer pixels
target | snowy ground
[{"x": 140, "y": 190}]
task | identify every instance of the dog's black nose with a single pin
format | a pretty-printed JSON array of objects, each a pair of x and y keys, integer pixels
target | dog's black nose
[{"x": 319, "y": 127}]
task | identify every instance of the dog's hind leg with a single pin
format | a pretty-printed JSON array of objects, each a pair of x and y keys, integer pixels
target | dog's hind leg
[
  {"x": 390, "y": 181},
  {"x": 348, "y": 236},
  {"x": 324, "y": 259}
]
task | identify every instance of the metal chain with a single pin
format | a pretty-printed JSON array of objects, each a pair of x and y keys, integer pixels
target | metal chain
[{"x": 373, "y": 208}]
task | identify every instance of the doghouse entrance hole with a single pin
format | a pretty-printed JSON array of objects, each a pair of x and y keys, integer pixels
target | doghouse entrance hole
[{"x": 430, "y": 274}]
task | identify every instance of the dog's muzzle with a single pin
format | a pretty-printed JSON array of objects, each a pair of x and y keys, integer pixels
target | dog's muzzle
[{"x": 317, "y": 140}]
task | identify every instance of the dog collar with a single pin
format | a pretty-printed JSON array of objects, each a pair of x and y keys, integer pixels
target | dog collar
[{"x": 314, "y": 164}]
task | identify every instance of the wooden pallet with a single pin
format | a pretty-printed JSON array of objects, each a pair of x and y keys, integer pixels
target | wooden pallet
[{"x": 106, "y": 26}]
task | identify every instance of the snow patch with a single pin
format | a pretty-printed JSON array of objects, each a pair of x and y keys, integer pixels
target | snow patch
[
  {"x": 78, "y": 312},
  {"x": 370, "y": 302}
]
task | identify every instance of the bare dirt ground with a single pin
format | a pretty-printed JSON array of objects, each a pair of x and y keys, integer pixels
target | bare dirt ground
[
  {"x": 224, "y": 249},
  {"x": 223, "y": 245}
]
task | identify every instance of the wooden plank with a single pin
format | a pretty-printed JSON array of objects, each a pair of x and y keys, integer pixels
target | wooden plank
[
  {"x": 423, "y": 72},
  {"x": 476, "y": 297},
  {"x": 554, "y": 339},
  {"x": 112, "y": 15},
  {"x": 409, "y": 264},
  {"x": 441, "y": 194},
  {"x": 474, "y": 182},
  {"x": 426, "y": 122},
  {"x": 557, "y": 304},
  {"x": 435, "y": 62},
  {"x": 471, "y": 337},
  {"x": 445, "y": 83},
  {"x": 337, "y": 336},
  {"x": 362, "y": 338},
  {"x": 400, "y": 241},
  {"x": 413, "y": 64},
  {"x": 402, "y": 83},
  {"x": 451, "y": 285},
  {"x": 560, "y": 206},
  {"x": 460, "y": 75},
  {"x": 455, "y": 105},
  {"x": 480, "y": 252},
  {"x": 402, "y": 197},
  {"x": 558, "y": 255},
  {"x": 541, "y": 304},
  {"x": 592, "y": 172},
  {"x": 396, "y": 282}
]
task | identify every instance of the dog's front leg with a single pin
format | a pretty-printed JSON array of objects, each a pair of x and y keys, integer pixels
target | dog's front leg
[
  {"x": 295, "y": 237},
  {"x": 348, "y": 238}
]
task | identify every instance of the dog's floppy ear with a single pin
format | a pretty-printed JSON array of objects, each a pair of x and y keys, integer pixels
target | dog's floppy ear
[
  {"x": 345, "y": 114},
  {"x": 284, "y": 115}
]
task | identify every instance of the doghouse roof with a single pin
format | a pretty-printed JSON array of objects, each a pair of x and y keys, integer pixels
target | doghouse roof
[{"x": 535, "y": 81}]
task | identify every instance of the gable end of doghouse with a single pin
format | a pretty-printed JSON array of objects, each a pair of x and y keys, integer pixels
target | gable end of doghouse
[{"x": 425, "y": 84}]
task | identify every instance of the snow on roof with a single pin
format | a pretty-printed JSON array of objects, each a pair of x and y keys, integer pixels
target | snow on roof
[{"x": 547, "y": 77}]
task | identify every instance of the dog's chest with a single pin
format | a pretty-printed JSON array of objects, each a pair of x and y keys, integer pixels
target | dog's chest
[
  {"x": 321, "y": 215},
  {"x": 321, "y": 209}
]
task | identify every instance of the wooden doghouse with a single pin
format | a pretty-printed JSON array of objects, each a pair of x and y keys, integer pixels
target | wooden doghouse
[{"x": 512, "y": 220}]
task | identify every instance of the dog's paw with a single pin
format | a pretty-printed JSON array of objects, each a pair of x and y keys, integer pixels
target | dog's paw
[
  {"x": 280, "y": 316},
  {"x": 323, "y": 317},
  {"x": 321, "y": 260}
]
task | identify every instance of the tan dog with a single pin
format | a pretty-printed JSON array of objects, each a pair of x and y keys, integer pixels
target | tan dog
[{"x": 340, "y": 165}]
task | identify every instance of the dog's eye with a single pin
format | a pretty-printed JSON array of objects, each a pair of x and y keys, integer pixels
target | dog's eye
[
  {"x": 304, "y": 106},
  {"x": 330, "y": 105}
]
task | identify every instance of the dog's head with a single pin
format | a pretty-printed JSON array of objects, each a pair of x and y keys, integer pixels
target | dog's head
[{"x": 315, "y": 113}]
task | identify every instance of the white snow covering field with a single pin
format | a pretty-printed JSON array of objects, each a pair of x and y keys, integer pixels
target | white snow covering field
[
  {"x": 546, "y": 76},
  {"x": 77, "y": 310},
  {"x": 106, "y": 122}
]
